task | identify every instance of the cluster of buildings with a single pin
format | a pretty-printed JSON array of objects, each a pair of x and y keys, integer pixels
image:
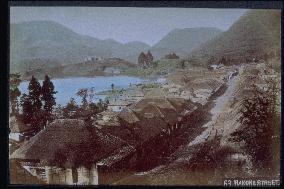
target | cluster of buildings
[
  {"x": 69, "y": 152},
  {"x": 121, "y": 140}
]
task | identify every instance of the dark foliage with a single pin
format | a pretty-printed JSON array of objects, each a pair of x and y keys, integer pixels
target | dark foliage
[
  {"x": 48, "y": 99},
  {"x": 172, "y": 56},
  {"x": 145, "y": 60},
  {"x": 14, "y": 92},
  {"x": 260, "y": 124}
]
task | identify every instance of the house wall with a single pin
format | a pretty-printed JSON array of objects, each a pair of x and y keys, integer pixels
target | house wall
[
  {"x": 55, "y": 175},
  {"x": 87, "y": 176},
  {"x": 116, "y": 108},
  {"x": 16, "y": 136}
]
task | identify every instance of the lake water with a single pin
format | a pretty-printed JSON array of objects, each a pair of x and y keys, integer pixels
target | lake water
[{"x": 68, "y": 87}]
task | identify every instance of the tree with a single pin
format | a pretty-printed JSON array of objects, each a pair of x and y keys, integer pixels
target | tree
[
  {"x": 102, "y": 106},
  {"x": 35, "y": 98},
  {"x": 142, "y": 59},
  {"x": 70, "y": 108},
  {"x": 27, "y": 108},
  {"x": 112, "y": 86},
  {"x": 149, "y": 58},
  {"x": 48, "y": 99},
  {"x": 91, "y": 94},
  {"x": 172, "y": 56},
  {"x": 31, "y": 105},
  {"x": 260, "y": 124},
  {"x": 83, "y": 93},
  {"x": 14, "y": 92}
]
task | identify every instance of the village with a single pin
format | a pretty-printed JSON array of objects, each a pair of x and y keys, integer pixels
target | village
[
  {"x": 128, "y": 137},
  {"x": 187, "y": 106}
]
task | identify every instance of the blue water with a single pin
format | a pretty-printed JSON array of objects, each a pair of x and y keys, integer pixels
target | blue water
[{"x": 67, "y": 88}]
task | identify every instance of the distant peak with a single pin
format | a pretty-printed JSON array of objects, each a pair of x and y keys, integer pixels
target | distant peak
[
  {"x": 195, "y": 29},
  {"x": 38, "y": 22}
]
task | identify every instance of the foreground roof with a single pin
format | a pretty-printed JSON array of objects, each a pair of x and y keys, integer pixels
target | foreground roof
[{"x": 68, "y": 141}]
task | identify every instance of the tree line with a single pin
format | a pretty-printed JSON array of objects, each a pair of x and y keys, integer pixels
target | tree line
[
  {"x": 145, "y": 60},
  {"x": 37, "y": 105},
  {"x": 37, "y": 108},
  {"x": 260, "y": 129}
]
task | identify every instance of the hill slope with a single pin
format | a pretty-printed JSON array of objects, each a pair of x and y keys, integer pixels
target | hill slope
[
  {"x": 187, "y": 38},
  {"x": 257, "y": 32},
  {"x": 182, "y": 41},
  {"x": 41, "y": 44},
  {"x": 45, "y": 44}
]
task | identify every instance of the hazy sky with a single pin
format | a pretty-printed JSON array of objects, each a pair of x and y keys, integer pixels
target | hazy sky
[{"x": 126, "y": 24}]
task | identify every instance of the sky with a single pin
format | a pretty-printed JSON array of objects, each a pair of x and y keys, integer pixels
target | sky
[{"x": 126, "y": 24}]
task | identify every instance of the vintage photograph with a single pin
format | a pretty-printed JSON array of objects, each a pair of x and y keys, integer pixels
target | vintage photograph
[{"x": 144, "y": 96}]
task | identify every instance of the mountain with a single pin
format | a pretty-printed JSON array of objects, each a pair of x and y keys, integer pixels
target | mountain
[
  {"x": 43, "y": 44},
  {"x": 130, "y": 51},
  {"x": 255, "y": 34},
  {"x": 182, "y": 41}
]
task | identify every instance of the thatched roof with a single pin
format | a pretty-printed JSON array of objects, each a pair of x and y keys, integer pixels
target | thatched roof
[
  {"x": 107, "y": 118},
  {"x": 117, "y": 156},
  {"x": 155, "y": 93},
  {"x": 147, "y": 128},
  {"x": 128, "y": 115},
  {"x": 166, "y": 108},
  {"x": 68, "y": 141},
  {"x": 160, "y": 102}
]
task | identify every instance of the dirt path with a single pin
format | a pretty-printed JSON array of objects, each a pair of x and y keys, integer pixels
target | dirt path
[
  {"x": 193, "y": 132},
  {"x": 219, "y": 105}
]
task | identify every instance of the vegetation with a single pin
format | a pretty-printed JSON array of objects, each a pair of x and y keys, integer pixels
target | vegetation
[
  {"x": 31, "y": 103},
  {"x": 86, "y": 111},
  {"x": 145, "y": 60},
  {"x": 14, "y": 92},
  {"x": 148, "y": 85},
  {"x": 159, "y": 68},
  {"x": 171, "y": 56},
  {"x": 48, "y": 99},
  {"x": 37, "y": 105},
  {"x": 260, "y": 126}
]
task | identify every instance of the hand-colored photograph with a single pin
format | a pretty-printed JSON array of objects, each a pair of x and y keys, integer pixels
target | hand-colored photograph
[{"x": 144, "y": 96}]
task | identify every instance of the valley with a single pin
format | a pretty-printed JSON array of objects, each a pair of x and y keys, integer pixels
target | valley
[{"x": 197, "y": 107}]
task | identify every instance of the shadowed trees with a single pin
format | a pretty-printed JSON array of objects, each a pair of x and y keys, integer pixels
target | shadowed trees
[
  {"x": 14, "y": 92},
  {"x": 171, "y": 56},
  {"x": 145, "y": 60},
  {"x": 260, "y": 125},
  {"x": 83, "y": 93},
  {"x": 48, "y": 99},
  {"x": 37, "y": 106}
]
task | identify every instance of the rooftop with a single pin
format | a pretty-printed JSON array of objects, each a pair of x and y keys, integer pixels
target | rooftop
[{"x": 68, "y": 141}]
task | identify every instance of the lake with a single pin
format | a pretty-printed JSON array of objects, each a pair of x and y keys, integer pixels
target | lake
[{"x": 68, "y": 87}]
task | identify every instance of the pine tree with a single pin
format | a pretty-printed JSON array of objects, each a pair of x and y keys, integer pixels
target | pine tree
[
  {"x": 83, "y": 93},
  {"x": 35, "y": 99},
  {"x": 48, "y": 99},
  {"x": 142, "y": 59},
  {"x": 150, "y": 58},
  {"x": 27, "y": 108}
]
